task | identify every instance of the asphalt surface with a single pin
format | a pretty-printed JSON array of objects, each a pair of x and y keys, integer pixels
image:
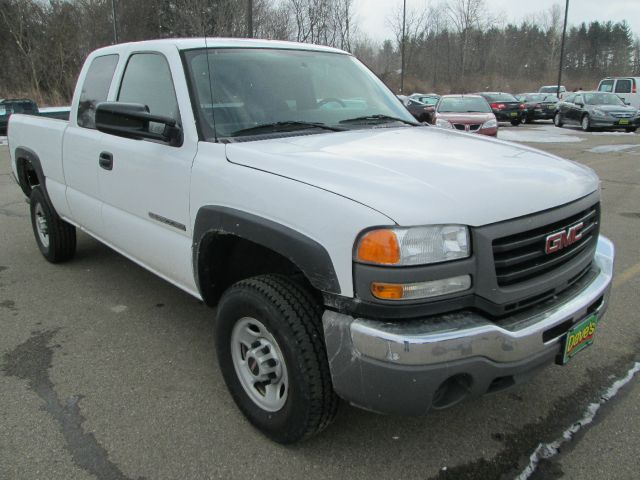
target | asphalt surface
[{"x": 108, "y": 372}]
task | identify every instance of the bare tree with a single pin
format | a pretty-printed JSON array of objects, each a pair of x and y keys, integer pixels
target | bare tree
[{"x": 465, "y": 16}]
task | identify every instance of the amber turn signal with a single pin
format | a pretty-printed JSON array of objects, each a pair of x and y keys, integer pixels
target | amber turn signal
[
  {"x": 387, "y": 291},
  {"x": 379, "y": 246}
]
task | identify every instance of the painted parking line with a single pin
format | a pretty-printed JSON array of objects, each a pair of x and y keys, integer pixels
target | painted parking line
[{"x": 629, "y": 274}]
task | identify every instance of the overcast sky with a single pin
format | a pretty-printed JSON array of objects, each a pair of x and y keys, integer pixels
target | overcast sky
[{"x": 371, "y": 14}]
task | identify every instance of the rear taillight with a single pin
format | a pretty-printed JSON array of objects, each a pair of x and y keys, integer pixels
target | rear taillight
[
  {"x": 522, "y": 106},
  {"x": 634, "y": 88},
  {"x": 537, "y": 105},
  {"x": 498, "y": 106}
]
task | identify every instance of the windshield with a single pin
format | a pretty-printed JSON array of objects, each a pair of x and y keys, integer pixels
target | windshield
[
  {"x": 538, "y": 97},
  {"x": 552, "y": 89},
  {"x": 429, "y": 100},
  {"x": 501, "y": 97},
  {"x": 289, "y": 88},
  {"x": 602, "y": 99},
  {"x": 463, "y": 105}
]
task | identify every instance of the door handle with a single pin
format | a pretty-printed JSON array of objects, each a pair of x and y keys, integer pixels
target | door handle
[{"x": 106, "y": 161}]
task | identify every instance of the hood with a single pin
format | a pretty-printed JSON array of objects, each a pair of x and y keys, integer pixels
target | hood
[
  {"x": 613, "y": 108},
  {"x": 466, "y": 118},
  {"x": 423, "y": 175}
]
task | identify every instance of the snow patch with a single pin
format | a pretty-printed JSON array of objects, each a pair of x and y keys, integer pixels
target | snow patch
[
  {"x": 612, "y": 148},
  {"x": 3, "y": 141},
  {"x": 549, "y": 450},
  {"x": 537, "y": 135}
]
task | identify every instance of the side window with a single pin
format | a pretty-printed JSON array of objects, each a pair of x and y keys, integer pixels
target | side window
[
  {"x": 147, "y": 80},
  {"x": 570, "y": 98},
  {"x": 95, "y": 88},
  {"x": 606, "y": 86},
  {"x": 623, "y": 86}
]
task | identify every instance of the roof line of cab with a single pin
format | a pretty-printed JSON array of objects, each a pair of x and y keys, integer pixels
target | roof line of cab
[{"x": 219, "y": 42}]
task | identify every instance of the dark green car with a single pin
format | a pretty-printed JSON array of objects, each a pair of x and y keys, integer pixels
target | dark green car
[{"x": 9, "y": 106}]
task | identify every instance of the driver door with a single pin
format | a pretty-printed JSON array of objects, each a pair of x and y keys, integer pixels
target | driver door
[{"x": 144, "y": 184}]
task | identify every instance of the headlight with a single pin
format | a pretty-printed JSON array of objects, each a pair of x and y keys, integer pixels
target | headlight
[
  {"x": 443, "y": 123},
  {"x": 490, "y": 124},
  {"x": 599, "y": 113},
  {"x": 413, "y": 246}
]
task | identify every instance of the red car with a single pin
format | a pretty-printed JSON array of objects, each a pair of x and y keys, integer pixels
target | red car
[{"x": 466, "y": 113}]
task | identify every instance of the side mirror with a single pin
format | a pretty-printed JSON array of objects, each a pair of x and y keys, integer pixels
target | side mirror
[
  {"x": 132, "y": 120},
  {"x": 580, "y": 104}
]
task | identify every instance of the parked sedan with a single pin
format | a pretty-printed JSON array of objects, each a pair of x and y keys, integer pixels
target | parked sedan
[
  {"x": 466, "y": 113},
  {"x": 505, "y": 107},
  {"x": 15, "y": 105},
  {"x": 538, "y": 106},
  {"x": 430, "y": 100},
  {"x": 419, "y": 110},
  {"x": 597, "y": 110}
]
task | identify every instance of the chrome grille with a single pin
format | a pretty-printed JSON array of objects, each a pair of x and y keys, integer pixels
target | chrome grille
[{"x": 522, "y": 256}]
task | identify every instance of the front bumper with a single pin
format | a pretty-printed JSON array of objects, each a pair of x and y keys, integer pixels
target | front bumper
[
  {"x": 604, "y": 122},
  {"x": 412, "y": 366}
]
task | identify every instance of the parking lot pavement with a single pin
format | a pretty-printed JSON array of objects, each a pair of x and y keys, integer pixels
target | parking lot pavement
[{"x": 108, "y": 372}]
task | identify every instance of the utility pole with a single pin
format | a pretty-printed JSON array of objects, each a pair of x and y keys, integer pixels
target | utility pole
[
  {"x": 564, "y": 34},
  {"x": 249, "y": 18},
  {"x": 404, "y": 21},
  {"x": 115, "y": 22}
]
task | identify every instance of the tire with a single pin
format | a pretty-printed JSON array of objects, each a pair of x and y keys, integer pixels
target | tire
[
  {"x": 585, "y": 123},
  {"x": 557, "y": 120},
  {"x": 273, "y": 314},
  {"x": 515, "y": 123},
  {"x": 55, "y": 238},
  {"x": 631, "y": 130}
]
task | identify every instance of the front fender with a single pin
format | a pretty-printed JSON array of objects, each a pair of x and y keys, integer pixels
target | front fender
[{"x": 307, "y": 254}]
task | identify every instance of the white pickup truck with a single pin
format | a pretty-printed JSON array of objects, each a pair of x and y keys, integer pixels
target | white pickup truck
[{"x": 350, "y": 252}]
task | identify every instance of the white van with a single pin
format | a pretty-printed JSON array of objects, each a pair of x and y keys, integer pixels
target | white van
[{"x": 625, "y": 87}]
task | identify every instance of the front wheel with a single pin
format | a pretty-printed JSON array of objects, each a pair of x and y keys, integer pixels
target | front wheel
[
  {"x": 515, "y": 123},
  {"x": 56, "y": 238},
  {"x": 631, "y": 130},
  {"x": 586, "y": 124},
  {"x": 557, "y": 120},
  {"x": 271, "y": 353}
]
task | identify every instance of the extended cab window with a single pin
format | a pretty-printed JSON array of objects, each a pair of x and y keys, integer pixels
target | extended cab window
[
  {"x": 623, "y": 86},
  {"x": 147, "y": 80},
  {"x": 95, "y": 88}
]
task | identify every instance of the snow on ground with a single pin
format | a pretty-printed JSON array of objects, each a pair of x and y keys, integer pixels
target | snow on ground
[
  {"x": 542, "y": 134},
  {"x": 612, "y": 148},
  {"x": 3, "y": 140},
  {"x": 548, "y": 133}
]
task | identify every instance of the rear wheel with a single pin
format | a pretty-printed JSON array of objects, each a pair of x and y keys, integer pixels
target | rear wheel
[
  {"x": 586, "y": 123},
  {"x": 56, "y": 238},
  {"x": 515, "y": 123},
  {"x": 557, "y": 120},
  {"x": 271, "y": 352}
]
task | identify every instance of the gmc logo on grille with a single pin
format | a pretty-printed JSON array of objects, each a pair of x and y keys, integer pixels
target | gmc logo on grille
[{"x": 558, "y": 241}]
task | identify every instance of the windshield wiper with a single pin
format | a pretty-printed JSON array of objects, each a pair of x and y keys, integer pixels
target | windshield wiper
[
  {"x": 377, "y": 119},
  {"x": 284, "y": 127}
]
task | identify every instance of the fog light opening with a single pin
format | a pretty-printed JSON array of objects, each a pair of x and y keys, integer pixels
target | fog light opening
[{"x": 453, "y": 390}]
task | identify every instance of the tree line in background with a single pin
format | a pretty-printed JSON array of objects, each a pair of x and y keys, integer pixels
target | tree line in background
[{"x": 450, "y": 46}]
